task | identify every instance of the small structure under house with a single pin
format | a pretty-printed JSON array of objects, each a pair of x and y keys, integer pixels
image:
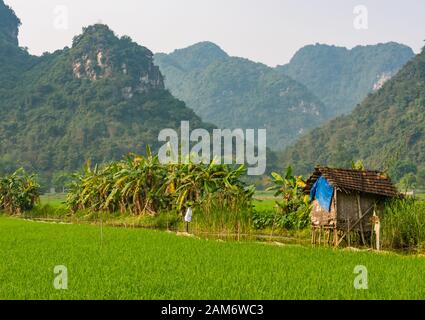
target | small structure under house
[{"x": 346, "y": 205}]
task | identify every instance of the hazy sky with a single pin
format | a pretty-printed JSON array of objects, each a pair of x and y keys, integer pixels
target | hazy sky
[{"x": 268, "y": 31}]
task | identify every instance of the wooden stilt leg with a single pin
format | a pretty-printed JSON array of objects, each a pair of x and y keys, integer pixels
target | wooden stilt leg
[
  {"x": 320, "y": 236},
  {"x": 360, "y": 217},
  {"x": 348, "y": 233},
  {"x": 335, "y": 237},
  {"x": 328, "y": 236}
]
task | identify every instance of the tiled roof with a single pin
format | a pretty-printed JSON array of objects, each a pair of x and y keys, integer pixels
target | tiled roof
[{"x": 346, "y": 180}]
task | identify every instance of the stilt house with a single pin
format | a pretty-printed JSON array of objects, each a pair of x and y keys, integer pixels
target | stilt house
[{"x": 347, "y": 205}]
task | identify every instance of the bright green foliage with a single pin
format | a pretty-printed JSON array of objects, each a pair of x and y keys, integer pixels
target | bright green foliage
[
  {"x": 142, "y": 264},
  {"x": 293, "y": 211},
  {"x": 358, "y": 165},
  {"x": 142, "y": 185},
  {"x": 19, "y": 192}
]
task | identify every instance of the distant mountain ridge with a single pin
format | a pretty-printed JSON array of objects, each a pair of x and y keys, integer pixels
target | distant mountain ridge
[
  {"x": 320, "y": 83},
  {"x": 233, "y": 92},
  {"x": 387, "y": 131},
  {"x": 342, "y": 78}
]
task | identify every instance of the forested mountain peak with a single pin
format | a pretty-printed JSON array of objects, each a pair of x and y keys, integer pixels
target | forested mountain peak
[
  {"x": 13, "y": 59},
  {"x": 9, "y": 24},
  {"x": 343, "y": 77},
  {"x": 234, "y": 92},
  {"x": 98, "y": 53},
  {"x": 320, "y": 83},
  {"x": 197, "y": 56}
]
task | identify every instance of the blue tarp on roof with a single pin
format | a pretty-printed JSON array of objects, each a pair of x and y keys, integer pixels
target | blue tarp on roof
[{"x": 323, "y": 192}]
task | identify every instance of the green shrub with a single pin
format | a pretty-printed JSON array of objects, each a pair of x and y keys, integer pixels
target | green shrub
[
  {"x": 48, "y": 211},
  {"x": 297, "y": 220},
  {"x": 263, "y": 219}
]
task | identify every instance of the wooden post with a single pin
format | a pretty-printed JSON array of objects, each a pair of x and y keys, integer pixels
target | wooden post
[
  {"x": 378, "y": 234},
  {"x": 328, "y": 236},
  {"x": 348, "y": 233},
  {"x": 336, "y": 244},
  {"x": 336, "y": 218},
  {"x": 377, "y": 228},
  {"x": 320, "y": 236},
  {"x": 360, "y": 217}
]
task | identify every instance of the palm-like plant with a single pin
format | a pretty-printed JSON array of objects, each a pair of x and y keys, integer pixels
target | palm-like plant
[
  {"x": 289, "y": 188},
  {"x": 142, "y": 185},
  {"x": 19, "y": 192},
  {"x": 294, "y": 207}
]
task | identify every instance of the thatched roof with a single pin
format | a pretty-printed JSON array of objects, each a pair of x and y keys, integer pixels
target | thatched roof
[{"x": 373, "y": 182}]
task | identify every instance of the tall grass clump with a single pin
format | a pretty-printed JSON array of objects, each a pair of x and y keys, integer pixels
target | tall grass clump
[
  {"x": 142, "y": 186},
  {"x": 222, "y": 213},
  {"x": 403, "y": 225},
  {"x": 19, "y": 192}
]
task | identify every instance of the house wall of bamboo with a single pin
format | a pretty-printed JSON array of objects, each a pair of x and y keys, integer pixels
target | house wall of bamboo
[
  {"x": 345, "y": 211},
  {"x": 348, "y": 210}
]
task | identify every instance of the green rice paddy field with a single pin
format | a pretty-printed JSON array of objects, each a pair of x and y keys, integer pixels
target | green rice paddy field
[{"x": 144, "y": 264}]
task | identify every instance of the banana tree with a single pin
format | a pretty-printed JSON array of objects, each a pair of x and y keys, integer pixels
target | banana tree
[
  {"x": 19, "y": 192},
  {"x": 289, "y": 188}
]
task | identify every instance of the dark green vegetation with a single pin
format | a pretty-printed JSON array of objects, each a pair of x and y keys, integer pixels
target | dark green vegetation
[
  {"x": 13, "y": 60},
  {"x": 342, "y": 78},
  {"x": 98, "y": 100},
  {"x": 9, "y": 24},
  {"x": 140, "y": 264},
  {"x": 238, "y": 93},
  {"x": 386, "y": 131}
]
